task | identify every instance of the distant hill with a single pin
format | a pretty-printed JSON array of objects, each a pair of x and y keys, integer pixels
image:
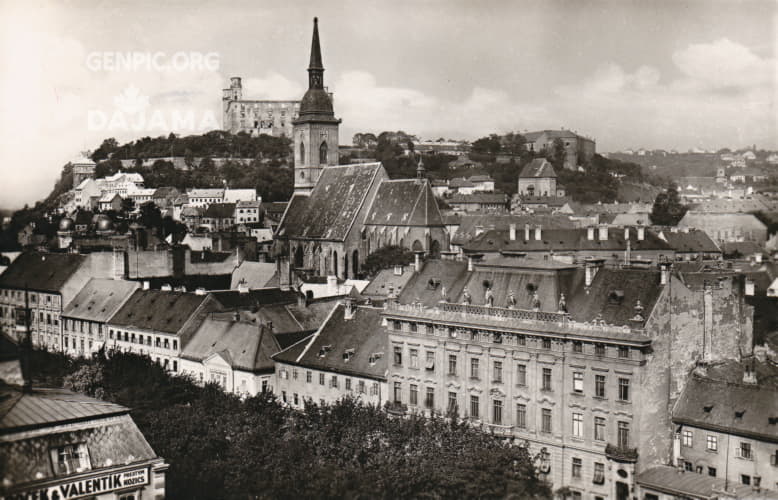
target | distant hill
[{"x": 675, "y": 165}]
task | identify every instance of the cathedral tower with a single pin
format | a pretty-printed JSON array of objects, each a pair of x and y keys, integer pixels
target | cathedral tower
[{"x": 316, "y": 128}]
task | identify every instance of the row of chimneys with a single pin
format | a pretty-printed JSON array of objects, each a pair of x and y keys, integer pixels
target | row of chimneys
[{"x": 602, "y": 233}]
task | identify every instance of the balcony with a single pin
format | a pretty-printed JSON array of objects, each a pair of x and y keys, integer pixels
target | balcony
[
  {"x": 396, "y": 409},
  {"x": 621, "y": 454},
  {"x": 500, "y": 430}
]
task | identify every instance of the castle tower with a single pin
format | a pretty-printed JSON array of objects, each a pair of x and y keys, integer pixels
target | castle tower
[
  {"x": 316, "y": 128},
  {"x": 83, "y": 168}
]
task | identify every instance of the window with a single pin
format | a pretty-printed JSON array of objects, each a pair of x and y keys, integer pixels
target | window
[
  {"x": 599, "y": 429},
  {"x": 623, "y": 389},
  {"x": 283, "y": 396},
  {"x": 521, "y": 340},
  {"x": 686, "y": 438},
  {"x": 744, "y": 451},
  {"x": 521, "y": 416},
  {"x": 599, "y": 473},
  {"x": 688, "y": 466},
  {"x": 578, "y": 424},
  {"x": 623, "y": 352},
  {"x": 497, "y": 371},
  {"x": 546, "y": 379},
  {"x": 296, "y": 399},
  {"x": 430, "y": 363},
  {"x": 546, "y": 343},
  {"x": 521, "y": 374},
  {"x": 452, "y": 401},
  {"x": 308, "y": 376},
  {"x": 321, "y": 379},
  {"x": 70, "y": 459},
  {"x": 334, "y": 382},
  {"x": 577, "y": 466},
  {"x": 599, "y": 349},
  {"x": 414, "y": 328},
  {"x": 452, "y": 364},
  {"x": 361, "y": 387},
  {"x": 599, "y": 386},
  {"x": 712, "y": 442},
  {"x": 712, "y": 471},
  {"x": 745, "y": 479},
  {"x": 429, "y": 399},
  {"x": 474, "y": 406},
  {"x": 294, "y": 373},
  {"x": 348, "y": 384},
  {"x": 175, "y": 344},
  {"x": 414, "y": 357},
  {"x": 474, "y": 368},
  {"x": 577, "y": 346},
  {"x": 623, "y": 435},
  {"x": 578, "y": 382},
  {"x": 397, "y": 392},
  {"x": 414, "y": 395},
  {"x": 546, "y": 420},
  {"x": 497, "y": 412},
  {"x": 398, "y": 355},
  {"x": 374, "y": 389},
  {"x": 175, "y": 365}
]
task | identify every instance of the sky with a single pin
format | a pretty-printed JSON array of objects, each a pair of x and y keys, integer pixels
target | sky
[{"x": 673, "y": 74}]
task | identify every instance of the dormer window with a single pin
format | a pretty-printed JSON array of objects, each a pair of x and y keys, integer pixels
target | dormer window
[
  {"x": 70, "y": 459},
  {"x": 348, "y": 354},
  {"x": 707, "y": 408},
  {"x": 739, "y": 414}
]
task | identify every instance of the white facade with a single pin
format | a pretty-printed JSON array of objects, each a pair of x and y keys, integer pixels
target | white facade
[{"x": 215, "y": 368}]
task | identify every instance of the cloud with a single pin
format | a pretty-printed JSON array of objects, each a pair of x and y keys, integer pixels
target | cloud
[{"x": 723, "y": 63}]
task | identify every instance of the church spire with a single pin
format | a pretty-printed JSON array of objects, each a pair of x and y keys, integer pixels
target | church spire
[{"x": 315, "y": 68}]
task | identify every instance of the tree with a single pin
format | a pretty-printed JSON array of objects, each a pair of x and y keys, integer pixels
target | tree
[
  {"x": 487, "y": 145},
  {"x": 128, "y": 205},
  {"x": 557, "y": 154},
  {"x": 105, "y": 150},
  {"x": 668, "y": 209},
  {"x": 388, "y": 257}
]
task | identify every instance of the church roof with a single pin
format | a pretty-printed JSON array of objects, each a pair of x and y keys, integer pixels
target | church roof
[
  {"x": 404, "y": 202},
  {"x": 332, "y": 207},
  {"x": 539, "y": 167}
]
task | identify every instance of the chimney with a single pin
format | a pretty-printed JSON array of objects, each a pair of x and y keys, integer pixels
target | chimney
[
  {"x": 758, "y": 257},
  {"x": 749, "y": 287},
  {"x": 200, "y": 291},
  {"x": 641, "y": 233},
  {"x": 470, "y": 263},
  {"x": 512, "y": 232},
  {"x": 590, "y": 233},
  {"x": 664, "y": 273},
  {"x": 626, "y": 234},
  {"x": 146, "y": 285},
  {"x": 526, "y": 232},
  {"x": 538, "y": 233},
  {"x": 398, "y": 270},
  {"x": 417, "y": 261},
  {"x": 243, "y": 287},
  {"x": 348, "y": 308},
  {"x": 603, "y": 233},
  {"x": 302, "y": 300},
  {"x": 236, "y": 316},
  {"x": 166, "y": 288},
  {"x": 332, "y": 284}
]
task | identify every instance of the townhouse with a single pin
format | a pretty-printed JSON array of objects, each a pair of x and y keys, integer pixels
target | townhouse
[
  {"x": 583, "y": 365},
  {"x": 345, "y": 357}
]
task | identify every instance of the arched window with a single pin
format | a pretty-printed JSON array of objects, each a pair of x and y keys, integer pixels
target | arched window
[
  {"x": 323, "y": 153},
  {"x": 302, "y": 153},
  {"x": 298, "y": 257}
]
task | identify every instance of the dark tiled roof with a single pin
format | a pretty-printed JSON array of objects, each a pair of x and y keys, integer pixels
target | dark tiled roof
[
  {"x": 611, "y": 297},
  {"x": 564, "y": 240},
  {"x": 539, "y": 167},
  {"x": 46, "y": 272},
  {"x": 330, "y": 210},
  {"x": 741, "y": 247},
  {"x": 99, "y": 299},
  {"x": 44, "y": 406},
  {"x": 469, "y": 223},
  {"x": 385, "y": 280},
  {"x": 157, "y": 310},
  {"x": 405, "y": 202},
  {"x": 110, "y": 442},
  {"x": 220, "y": 211},
  {"x": 244, "y": 344},
  {"x": 695, "y": 240},
  {"x": 758, "y": 404},
  {"x": 458, "y": 182},
  {"x": 550, "y": 134},
  {"x": 362, "y": 333},
  {"x": 703, "y": 219}
]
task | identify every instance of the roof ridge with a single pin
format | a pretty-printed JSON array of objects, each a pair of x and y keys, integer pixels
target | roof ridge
[{"x": 313, "y": 337}]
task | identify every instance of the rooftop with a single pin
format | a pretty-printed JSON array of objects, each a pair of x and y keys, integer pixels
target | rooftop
[
  {"x": 46, "y": 272},
  {"x": 539, "y": 167},
  {"x": 671, "y": 480},
  {"x": 156, "y": 310},
  {"x": 99, "y": 299}
]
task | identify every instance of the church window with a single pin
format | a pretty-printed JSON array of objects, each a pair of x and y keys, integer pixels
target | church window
[
  {"x": 323, "y": 153},
  {"x": 302, "y": 153}
]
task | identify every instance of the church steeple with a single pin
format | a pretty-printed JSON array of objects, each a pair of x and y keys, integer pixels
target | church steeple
[{"x": 315, "y": 68}]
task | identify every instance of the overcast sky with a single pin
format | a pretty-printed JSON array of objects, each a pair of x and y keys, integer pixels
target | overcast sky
[{"x": 654, "y": 74}]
